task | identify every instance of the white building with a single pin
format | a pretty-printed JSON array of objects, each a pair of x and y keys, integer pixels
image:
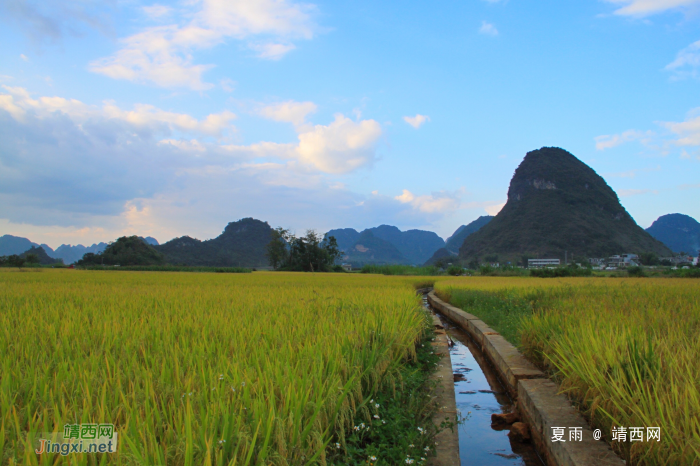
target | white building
[
  {"x": 537, "y": 263},
  {"x": 624, "y": 260}
]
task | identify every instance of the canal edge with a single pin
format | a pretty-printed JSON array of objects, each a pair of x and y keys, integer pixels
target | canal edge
[
  {"x": 447, "y": 441},
  {"x": 539, "y": 402}
]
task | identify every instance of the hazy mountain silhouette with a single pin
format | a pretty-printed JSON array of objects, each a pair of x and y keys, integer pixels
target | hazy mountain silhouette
[{"x": 677, "y": 231}]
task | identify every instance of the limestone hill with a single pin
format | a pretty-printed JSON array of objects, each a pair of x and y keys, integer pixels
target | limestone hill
[{"x": 557, "y": 203}]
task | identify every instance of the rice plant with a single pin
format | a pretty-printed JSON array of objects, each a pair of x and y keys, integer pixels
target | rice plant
[{"x": 195, "y": 368}]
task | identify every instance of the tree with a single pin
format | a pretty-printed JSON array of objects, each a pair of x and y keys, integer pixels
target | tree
[
  {"x": 309, "y": 253},
  {"x": 277, "y": 248},
  {"x": 32, "y": 259},
  {"x": 649, "y": 258}
]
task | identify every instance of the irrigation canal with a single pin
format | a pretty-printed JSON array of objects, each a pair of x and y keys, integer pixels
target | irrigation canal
[{"x": 480, "y": 394}]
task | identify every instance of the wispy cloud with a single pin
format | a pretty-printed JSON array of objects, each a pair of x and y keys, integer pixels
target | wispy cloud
[
  {"x": 609, "y": 141},
  {"x": 488, "y": 29},
  {"x": 163, "y": 55},
  {"x": 636, "y": 192},
  {"x": 686, "y": 63},
  {"x": 642, "y": 8},
  {"x": 416, "y": 121},
  {"x": 290, "y": 111}
]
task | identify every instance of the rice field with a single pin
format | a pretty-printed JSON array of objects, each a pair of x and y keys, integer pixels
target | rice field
[
  {"x": 194, "y": 368},
  {"x": 627, "y": 350}
]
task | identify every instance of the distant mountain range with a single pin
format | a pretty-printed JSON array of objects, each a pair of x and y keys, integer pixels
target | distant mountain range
[
  {"x": 386, "y": 244},
  {"x": 679, "y": 232},
  {"x": 557, "y": 205},
  {"x": 10, "y": 245}
]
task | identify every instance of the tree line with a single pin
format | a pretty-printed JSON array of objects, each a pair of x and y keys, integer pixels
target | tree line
[{"x": 308, "y": 253}]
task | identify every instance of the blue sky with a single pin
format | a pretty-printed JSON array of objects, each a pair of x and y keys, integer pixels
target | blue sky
[{"x": 169, "y": 119}]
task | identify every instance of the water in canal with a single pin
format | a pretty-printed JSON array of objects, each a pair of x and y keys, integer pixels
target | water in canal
[{"x": 478, "y": 396}]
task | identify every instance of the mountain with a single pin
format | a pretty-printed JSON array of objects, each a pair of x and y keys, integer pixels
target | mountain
[
  {"x": 557, "y": 203},
  {"x": 455, "y": 241},
  {"x": 242, "y": 244},
  {"x": 127, "y": 250},
  {"x": 40, "y": 252},
  {"x": 372, "y": 250},
  {"x": 10, "y": 245},
  {"x": 677, "y": 231},
  {"x": 346, "y": 238},
  {"x": 71, "y": 254},
  {"x": 415, "y": 246}
]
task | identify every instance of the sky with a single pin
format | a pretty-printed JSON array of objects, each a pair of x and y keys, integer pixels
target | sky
[{"x": 124, "y": 117}]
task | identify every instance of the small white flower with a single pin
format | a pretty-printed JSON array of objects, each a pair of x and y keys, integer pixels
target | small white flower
[
  {"x": 376, "y": 405},
  {"x": 337, "y": 445},
  {"x": 420, "y": 429},
  {"x": 373, "y": 458},
  {"x": 383, "y": 421},
  {"x": 422, "y": 459},
  {"x": 371, "y": 401},
  {"x": 411, "y": 446},
  {"x": 426, "y": 448},
  {"x": 376, "y": 416},
  {"x": 409, "y": 461}
]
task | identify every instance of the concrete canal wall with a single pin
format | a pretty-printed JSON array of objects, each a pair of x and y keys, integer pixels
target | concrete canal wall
[{"x": 539, "y": 403}]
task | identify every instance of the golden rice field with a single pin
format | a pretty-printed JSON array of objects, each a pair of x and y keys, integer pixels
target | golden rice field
[
  {"x": 627, "y": 349},
  {"x": 192, "y": 368}
]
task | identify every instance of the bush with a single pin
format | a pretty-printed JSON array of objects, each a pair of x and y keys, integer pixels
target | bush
[
  {"x": 455, "y": 270},
  {"x": 636, "y": 272}
]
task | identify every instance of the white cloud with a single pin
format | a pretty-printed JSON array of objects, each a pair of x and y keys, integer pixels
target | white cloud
[
  {"x": 432, "y": 203},
  {"x": 609, "y": 141},
  {"x": 163, "y": 54},
  {"x": 687, "y": 133},
  {"x": 341, "y": 147},
  {"x": 18, "y": 102},
  {"x": 641, "y": 8},
  {"x": 488, "y": 29},
  {"x": 290, "y": 111},
  {"x": 73, "y": 172},
  {"x": 23, "y": 57},
  {"x": 157, "y": 11},
  {"x": 272, "y": 51},
  {"x": 686, "y": 63},
  {"x": 416, "y": 121}
]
